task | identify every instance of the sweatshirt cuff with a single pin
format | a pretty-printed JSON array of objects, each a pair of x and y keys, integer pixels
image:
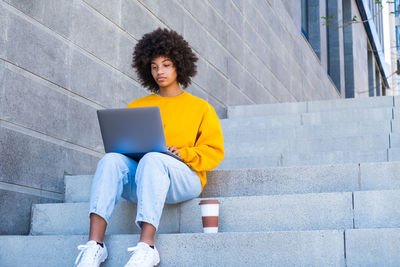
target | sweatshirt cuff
[{"x": 187, "y": 154}]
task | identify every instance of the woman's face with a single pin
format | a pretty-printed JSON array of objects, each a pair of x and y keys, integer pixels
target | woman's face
[{"x": 163, "y": 71}]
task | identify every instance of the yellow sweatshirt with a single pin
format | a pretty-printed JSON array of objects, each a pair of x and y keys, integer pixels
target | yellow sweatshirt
[{"x": 192, "y": 126}]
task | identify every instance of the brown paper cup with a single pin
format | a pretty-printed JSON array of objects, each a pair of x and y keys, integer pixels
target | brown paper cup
[{"x": 209, "y": 215}]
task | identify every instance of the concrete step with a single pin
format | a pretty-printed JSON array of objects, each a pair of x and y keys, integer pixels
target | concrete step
[
  {"x": 314, "y": 118},
  {"x": 332, "y": 143},
  {"x": 321, "y": 211},
  {"x": 372, "y": 114},
  {"x": 351, "y": 103},
  {"x": 315, "y": 106},
  {"x": 73, "y": 218},
  {"x": 394, "y": 154},
  {"x": 372, "y": 247},
  {"x": 300, "y": 248},
  {"x": 363, "y": 247},
  {"x": 277, "y": 180},
  {"x": 395, "y": 125},
  {"x": 276, "y": 147},
  {"x": 377, "y": 209},
  {"x": 334, "y": 157},
  {"x": 236, "y": 162},
  {"x": 271, "y": 121},
  {"x": 396, "y": 112},
  {"x": 305, "y": 179},
  {"x": 240, "y": 134},
  {"x": 395, "y": 140}
]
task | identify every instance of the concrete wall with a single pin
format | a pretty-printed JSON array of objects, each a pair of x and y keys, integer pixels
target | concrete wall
[
  {"x": 360, "y": 55},
  {"x": 62, "y": 60}
]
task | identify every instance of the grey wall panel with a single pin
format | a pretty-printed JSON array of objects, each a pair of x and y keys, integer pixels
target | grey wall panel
[
  {"x": 204, "y": 13},
  {"x": 256, "y": 92},
  {"x": 168, "y": 12},
  {"x": 2, "y": 70},
  {"x": 220, "y": 108},
  {"x": 136, "y": 19},
  {"x": 231, "y": 14},
  {"x": 36, "y": 49},
  {"x": 33, "y": 103},
  {"x": 237, "y": 97},
  {"x": 126, "y": 47},
  {"x": 82, "y": 125},
  {"x": 236, "y": 73},
  {"x": 37, "y": 162},
  {"x": 79, "y": 162},
  {"x": 94, "y": 80},
  {"x": 128, "y": 90},
  {"x": 54, "y": 14},
  {"x": 3, "y": 30},
  {"x": 95, "y": 33},
  {"x": 17, "y": 206},
  {"x": 30, "y": 162},
  {"x": 110, "y": 9}
]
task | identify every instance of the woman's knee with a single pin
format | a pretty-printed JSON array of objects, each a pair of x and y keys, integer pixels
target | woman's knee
[
  {"x": 114, "y": 158},
  {"x": 112, "y": 166},
  {"x": 151, "y": 157},
  {"x": 152, "y": 167}
]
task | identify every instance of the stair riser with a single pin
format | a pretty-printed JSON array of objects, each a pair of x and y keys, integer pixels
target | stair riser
[
  {"x": 275, "y": 213},
  {"x": 298, "y": 146},
  {"x": 316, "y": 158},
  {"x": 348, "y": 116},
  {"x": 238, "y": 135},
  {"x": 372, "y": 247},
  {"x": 275, "y": 181},
  {"x": 340, "y": 157},
  {"x": 394, "y": 154},
  {"x": 377, "y": 208},
  {"x": 73, "y": 219},
  {"x": 316, "y": 248},
  {"x": 303, "y": 107},
  {"x": 293, "y": 120},
  {"x": 365, "y": 247},
  {"x": 241, "y": 214},
  {"x": 395, "y": 140},
  {"x": 268, "y": 213}
]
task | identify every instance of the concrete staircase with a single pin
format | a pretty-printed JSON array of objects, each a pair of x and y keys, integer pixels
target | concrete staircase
[{"x": 305, "y": 184}]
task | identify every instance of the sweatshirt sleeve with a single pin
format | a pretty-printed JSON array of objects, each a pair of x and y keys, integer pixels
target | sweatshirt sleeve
[{"x": 208, "y": 150}]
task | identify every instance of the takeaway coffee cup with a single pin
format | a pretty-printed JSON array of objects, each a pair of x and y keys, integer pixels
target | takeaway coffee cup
[{"x": 209, "y": 215}]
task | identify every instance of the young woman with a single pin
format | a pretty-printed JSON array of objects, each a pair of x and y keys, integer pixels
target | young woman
[{"x": 164, "y": 62}]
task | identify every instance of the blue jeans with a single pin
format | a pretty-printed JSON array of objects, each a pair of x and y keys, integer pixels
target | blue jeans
[{"x": 156, "y": 179}]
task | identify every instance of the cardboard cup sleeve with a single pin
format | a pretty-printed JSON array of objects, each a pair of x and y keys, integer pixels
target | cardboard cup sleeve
[{"x": 209, "y": 215}]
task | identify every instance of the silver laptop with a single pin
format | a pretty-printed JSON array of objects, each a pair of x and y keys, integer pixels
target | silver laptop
[{"x": 133, "y": 131}]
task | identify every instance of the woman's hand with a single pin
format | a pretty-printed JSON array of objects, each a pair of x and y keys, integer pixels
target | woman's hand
[{"x": 174, "y": 151}]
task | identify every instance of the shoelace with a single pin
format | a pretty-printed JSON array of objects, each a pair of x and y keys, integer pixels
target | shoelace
[
  {"x": 140, "y": 252},
  {"x": 84, "y": 248}
]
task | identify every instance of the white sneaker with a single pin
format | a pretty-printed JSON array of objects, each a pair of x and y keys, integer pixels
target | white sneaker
[
  {"x": 91, "y": 255},
  {"x": 143, "y": 256}
]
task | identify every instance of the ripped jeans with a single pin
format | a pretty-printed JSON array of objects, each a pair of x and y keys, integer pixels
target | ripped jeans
[{"x": 156, "y": 179}]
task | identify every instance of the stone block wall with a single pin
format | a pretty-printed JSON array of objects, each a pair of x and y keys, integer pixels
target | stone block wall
[{"x": 62, "y": 60}]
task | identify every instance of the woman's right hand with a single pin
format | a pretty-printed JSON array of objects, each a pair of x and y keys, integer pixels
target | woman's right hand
[{"x": 174, "y": 151}]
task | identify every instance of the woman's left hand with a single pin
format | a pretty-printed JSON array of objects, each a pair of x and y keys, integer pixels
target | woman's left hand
[{"x": 174, "y": 151}]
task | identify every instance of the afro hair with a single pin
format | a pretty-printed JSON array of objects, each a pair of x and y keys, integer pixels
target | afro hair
[{"x": 168, "y": 43}]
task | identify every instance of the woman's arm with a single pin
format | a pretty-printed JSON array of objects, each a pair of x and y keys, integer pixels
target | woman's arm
[{"x": 208, "y": 150}]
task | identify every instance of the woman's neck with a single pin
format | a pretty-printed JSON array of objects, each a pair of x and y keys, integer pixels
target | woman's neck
[{"x": 170, "y": 92}]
